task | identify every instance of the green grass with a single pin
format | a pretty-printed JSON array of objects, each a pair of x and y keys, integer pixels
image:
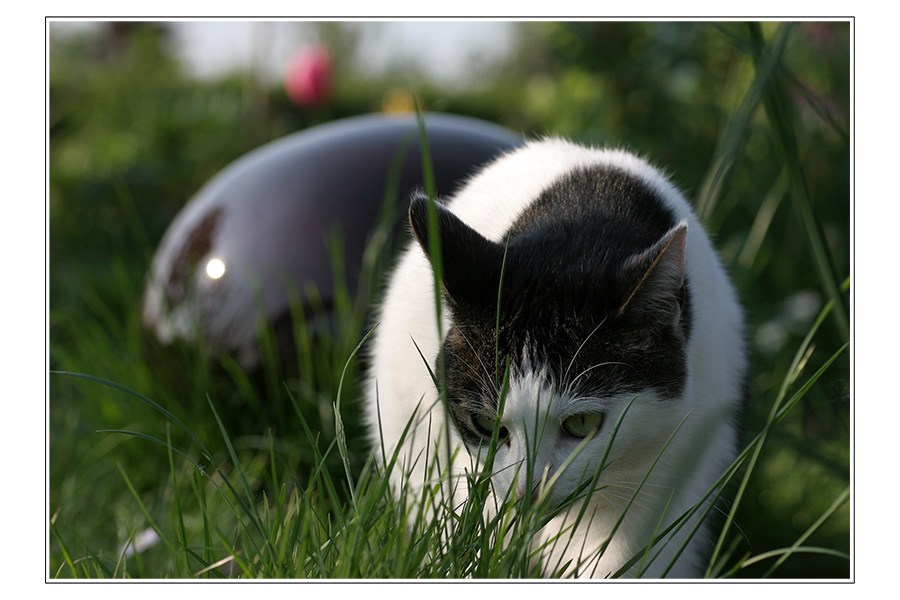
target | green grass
[
  {"x": 267, "y": 474},
  {"x": 219, "y": 521}
]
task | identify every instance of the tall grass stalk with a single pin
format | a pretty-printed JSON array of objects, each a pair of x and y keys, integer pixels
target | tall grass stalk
[
  {"x": 735, "y": 136},
  {"x": 778, "y": 110}
]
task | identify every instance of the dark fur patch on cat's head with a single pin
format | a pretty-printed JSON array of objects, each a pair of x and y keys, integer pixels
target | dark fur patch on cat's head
[{"x": 593, "y": 292}]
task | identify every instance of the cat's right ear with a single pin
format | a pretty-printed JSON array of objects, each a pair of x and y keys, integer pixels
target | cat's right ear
[
  {"x": 657, "y": 277},
  {"x": 470, "y": 263}
]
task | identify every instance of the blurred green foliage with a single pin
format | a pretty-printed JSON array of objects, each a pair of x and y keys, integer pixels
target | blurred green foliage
[{"x": 133, "y": 136}]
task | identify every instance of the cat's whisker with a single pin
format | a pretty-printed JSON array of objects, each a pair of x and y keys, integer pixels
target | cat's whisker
[
  {"x": 487, "y": 374},
  {"x": 670, "y": 477},
  {"x": 591, "y": 368},
  {"x": 577, "y": 352},
  {"x": 643, "y": 499},
  {"x": 713, "y": 504},
  {"x": 645, "y": 506},
  {"x": 484, "y": 378},
  {"x": 709, "y": 502}
]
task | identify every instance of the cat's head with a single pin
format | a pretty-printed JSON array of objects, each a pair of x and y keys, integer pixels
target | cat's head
[{"x": 549, "y": 360}]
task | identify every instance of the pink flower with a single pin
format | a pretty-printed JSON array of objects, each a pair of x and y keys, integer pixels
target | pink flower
[{"x": 307, "y": 77}]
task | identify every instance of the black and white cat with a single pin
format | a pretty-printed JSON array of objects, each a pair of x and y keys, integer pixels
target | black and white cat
[{"x": 614, "y": 309}]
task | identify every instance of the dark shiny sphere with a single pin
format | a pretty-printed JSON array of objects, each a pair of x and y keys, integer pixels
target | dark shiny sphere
[{"x": 267, "y": 228}]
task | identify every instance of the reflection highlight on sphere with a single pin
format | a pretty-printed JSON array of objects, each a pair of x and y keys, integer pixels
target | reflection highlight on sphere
[{"x": 215, "y": 268}]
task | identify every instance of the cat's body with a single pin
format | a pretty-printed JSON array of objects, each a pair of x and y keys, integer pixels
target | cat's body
[{"x": 612, "y": 302}]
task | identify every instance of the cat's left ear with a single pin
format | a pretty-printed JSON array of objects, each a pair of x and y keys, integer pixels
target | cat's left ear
[
  {"x": 470, "y": 263},
  {"x": 656, "y": 276}
]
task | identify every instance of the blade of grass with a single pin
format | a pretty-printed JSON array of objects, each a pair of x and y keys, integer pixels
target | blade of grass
[
  {"x": 67, "y": 558},
  {"x": 165, "y": 540},
  {"x": 200, "y": 493},
  {"x": 248, "y": 506},
  {"x": 734, "y": 138},
  {"x": 219, "y": 563},
  {"x": 179, "y": 516},
  {"x": 340, "y": 432},
  {"x": 785, "y": 552},
  {"x": 749, "y": 254},
  {"x": 838, "y": 502},
  {"x": 144, "y": 399},
  {"x": 499, "y": 299},
  {"x": 777, "y": 109},
  {"x": 437, "y": 268}
]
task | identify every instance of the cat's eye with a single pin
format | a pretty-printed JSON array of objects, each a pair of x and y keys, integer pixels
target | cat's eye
[
  {"x": 582, "y": 425},
  {"x": 485, "y": 427}
]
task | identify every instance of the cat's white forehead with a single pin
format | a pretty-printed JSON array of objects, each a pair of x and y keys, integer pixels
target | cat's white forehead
[
  {"x": 495, "y": 197},
  {"x": 529, "y": 394},
  {"x": 533, "y": 396}
]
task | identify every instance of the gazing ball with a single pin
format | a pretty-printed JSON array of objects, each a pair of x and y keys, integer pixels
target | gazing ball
[{"x": 264, "y": 230}]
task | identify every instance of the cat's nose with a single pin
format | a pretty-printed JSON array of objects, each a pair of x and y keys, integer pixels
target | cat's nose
[
  {"x": 536, "y": 485},
  {"x": 534, "y": 493}
]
